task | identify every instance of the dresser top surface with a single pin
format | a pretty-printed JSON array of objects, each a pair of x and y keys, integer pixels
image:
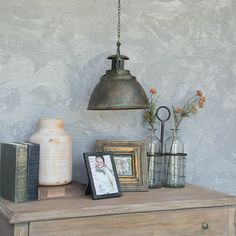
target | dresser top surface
[{"x": 131, "y": 202}]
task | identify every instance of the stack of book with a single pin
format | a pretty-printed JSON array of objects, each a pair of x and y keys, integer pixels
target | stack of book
[
  {"x": 19, "y": 171},
  {"x": 19, "y": 175}
]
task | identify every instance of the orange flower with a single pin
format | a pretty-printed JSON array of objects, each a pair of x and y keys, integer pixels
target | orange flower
[
  {"x": 199, "y": 93},
  {"x": 194, "y": 109},
  {"x": 202, "y": 98},
  {"x": 191, "y": 107},
  {"x": 153, "y": 91},
  {"x": 178, "y": 110},
  {"x": 201, "y": 104}
]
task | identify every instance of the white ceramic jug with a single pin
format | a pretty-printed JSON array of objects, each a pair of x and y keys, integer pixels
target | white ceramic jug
[{"x": 55, "y": 166}]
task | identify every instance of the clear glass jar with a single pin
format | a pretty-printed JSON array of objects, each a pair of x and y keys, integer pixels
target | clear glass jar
[
  {"x": 175, "y": 161},
  {"x": 152, "y": 142},
  {"x": 174, "y": 143},
  {"x": 155, "y": 160}
]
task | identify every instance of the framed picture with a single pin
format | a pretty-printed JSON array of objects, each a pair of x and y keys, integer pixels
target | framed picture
[
  {"x": 130, "y": 161},
  {"x": 102, "y": 175}
]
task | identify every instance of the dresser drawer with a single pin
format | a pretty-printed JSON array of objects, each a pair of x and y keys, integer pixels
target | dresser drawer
[{"x": 191, "y": 222}]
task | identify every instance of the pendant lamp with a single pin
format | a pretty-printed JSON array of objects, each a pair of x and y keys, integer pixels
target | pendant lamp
[{"x": 118, "y": 89}]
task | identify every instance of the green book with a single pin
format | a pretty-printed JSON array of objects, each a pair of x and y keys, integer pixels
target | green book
[
  {"x": 0, "y": 175},
  {"x": 14, "y": 171}
]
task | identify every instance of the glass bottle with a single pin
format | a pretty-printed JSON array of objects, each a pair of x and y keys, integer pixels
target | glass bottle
[
  {"x": 175, "y": 161},
  {"x": 155, "y": 160},
  {"x": 174, "y": 143}
]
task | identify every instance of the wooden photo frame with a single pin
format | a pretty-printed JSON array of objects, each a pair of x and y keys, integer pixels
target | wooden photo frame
[
  {"x": 103, "y": 178},
  {"x": 131, "y": 162}
]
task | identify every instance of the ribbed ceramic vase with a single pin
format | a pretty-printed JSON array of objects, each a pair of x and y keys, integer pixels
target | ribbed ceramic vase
[{"x": 55, "y": 167}]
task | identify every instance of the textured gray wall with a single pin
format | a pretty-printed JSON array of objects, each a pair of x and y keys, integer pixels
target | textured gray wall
[{"x": 52, "y": 54}]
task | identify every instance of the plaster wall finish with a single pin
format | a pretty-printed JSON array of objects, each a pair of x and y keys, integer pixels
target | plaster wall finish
[{"x": 52, "y": 54}]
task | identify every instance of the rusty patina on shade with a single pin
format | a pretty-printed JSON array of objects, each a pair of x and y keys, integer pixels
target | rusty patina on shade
[{"x": 118, "y": 90}]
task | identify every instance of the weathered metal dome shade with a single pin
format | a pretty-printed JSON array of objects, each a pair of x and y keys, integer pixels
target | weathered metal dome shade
[{"x": 118, "y": 89}]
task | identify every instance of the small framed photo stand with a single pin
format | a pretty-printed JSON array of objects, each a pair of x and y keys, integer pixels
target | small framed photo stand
[{"x": 103, "y": 178}]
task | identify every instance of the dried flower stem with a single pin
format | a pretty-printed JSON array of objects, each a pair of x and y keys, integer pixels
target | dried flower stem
[
  {"x": 150, "y": 113},
  {"x": 190, "y": 108}
]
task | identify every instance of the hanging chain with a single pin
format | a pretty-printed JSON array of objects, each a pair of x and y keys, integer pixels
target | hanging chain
[
  {"x": 118, "y": 25},
  {"x": 118, "y": 38}
]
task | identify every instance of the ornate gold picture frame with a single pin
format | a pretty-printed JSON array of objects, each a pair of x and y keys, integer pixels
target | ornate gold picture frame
[{"x": 130, "y": 161}]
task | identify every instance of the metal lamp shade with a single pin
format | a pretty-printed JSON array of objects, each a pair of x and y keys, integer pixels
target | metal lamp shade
[{"x": 118, "y": 90}]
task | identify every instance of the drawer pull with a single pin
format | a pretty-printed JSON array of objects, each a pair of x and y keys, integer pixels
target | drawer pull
[{"x": 204, "y": 226}]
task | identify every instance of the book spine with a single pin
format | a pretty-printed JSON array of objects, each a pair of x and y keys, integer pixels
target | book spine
[
  {"x": 33, "y": 172},
  {"x": 8, "y": 171},
  {"x": 21, "y": 173},
  {"x": 0, "y": 171},
  {"x": 73, "y": 189},
  {"x": 50, "y": 192}
]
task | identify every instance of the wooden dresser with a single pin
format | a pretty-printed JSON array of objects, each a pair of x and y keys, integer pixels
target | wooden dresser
[{"x": 161, "y": 212}]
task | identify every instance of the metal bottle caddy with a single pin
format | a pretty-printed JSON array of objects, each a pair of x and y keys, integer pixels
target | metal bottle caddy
[{"x": 166, "y": 169}]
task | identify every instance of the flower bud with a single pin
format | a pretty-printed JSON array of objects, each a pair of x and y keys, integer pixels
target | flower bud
[
  {"x": 153, "y": 91},
  {"x": 178, "y": 110},
  {"x": 199, "y": 93}
]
